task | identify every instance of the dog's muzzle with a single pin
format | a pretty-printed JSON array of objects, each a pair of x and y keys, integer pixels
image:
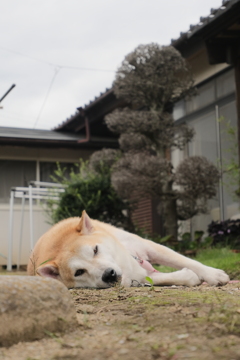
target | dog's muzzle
[{"x": 110, "y": 276}]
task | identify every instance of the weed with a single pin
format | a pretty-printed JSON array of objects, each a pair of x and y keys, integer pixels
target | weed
[
  {"x": 53, "y": 336},
  {"x": 149, "y": 329},
  {"x": 150, "y": 280},
  {"x": 44, "y": 262}
]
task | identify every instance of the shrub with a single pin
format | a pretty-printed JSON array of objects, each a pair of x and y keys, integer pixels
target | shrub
[
  {"x": 225, "y": 233},
  {"x": 186, "y": 244},
  {"x": 90, "y": 191}
]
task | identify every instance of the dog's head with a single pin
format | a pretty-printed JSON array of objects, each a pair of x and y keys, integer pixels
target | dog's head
[{"x": 81, "y": 255}]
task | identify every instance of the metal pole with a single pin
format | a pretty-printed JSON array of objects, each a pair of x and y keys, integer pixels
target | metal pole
[
  {"x": 219, "y": 155},
  {"x": 10, "y": 239},
  {"x": 21, "y": 230},
  {"x": 3, "y": 97},
  {"x": 31, "y": 217}
]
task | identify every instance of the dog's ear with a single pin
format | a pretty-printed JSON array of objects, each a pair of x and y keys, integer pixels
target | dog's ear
[
  {"x": 85, "y": 226},
  {"x": 49, "y": 270}
]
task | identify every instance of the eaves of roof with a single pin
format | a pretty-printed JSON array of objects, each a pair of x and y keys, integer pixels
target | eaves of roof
[
  {"x": 49, "y": 139},
  {"x": 218, "y": 19},
  {"x": 82, "y": 111},
  {"x": 36, "y": 134}
]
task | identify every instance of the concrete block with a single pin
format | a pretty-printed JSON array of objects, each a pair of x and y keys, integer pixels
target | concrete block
[{"x": 31, "y": 306}]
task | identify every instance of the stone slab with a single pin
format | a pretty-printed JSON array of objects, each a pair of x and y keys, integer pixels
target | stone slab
[{"x": 32, "y": 306}]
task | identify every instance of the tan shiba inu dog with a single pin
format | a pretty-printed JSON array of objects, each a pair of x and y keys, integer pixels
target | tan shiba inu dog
[{"x": 88, "y": 253}]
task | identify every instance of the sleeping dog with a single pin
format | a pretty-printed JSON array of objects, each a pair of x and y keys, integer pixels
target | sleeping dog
[{"x": 81, "y": 252}]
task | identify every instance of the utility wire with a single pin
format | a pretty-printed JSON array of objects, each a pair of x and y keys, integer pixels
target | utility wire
[
  {"x": 47, "y": 95},
  {"x": 55, "y": 65},
  {"x": 57, "y": 69}
]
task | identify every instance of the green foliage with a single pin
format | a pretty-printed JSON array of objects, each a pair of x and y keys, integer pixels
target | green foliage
[
  {"x": 221, "y": 258},
  {"x": 187, "y": 244},
  {"x": 225, "y": 233},
  {"x": 190, "y": 246},
  {"x": 150, "y": 280},
  {"x": 90, "y": 191},
  {"x": 154, "y": 237}
]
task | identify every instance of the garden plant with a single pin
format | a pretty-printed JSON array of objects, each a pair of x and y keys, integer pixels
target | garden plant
[{"x": 151, "y": 80}]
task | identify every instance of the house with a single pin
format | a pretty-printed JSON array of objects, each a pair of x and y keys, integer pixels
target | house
[
  {"x": 25, "y": 155},
  {"x": 212, "y": 48}
]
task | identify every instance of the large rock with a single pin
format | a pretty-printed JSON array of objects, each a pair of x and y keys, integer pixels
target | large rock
[{"x": 31, "y": 306}]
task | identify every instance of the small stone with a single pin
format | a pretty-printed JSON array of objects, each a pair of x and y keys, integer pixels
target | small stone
[
  {"x": 123, "y": 351},
  {"x": 182, "y": 336}
]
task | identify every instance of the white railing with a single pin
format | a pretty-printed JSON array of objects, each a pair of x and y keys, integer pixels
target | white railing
[{"x": 36, "y": 190}]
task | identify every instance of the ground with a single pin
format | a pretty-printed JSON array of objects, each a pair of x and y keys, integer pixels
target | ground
[{"x": 145, "y": 323}]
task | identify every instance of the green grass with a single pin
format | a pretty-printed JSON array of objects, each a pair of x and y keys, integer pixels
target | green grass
[
  {"x": 223, "y": 259},
  {"x": 14, "y": 272}
]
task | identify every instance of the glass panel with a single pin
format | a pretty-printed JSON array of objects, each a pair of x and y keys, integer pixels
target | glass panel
[
  {"x": 225, "y": 84},
  {"x": 179, "y": 110},
  {"x": 205, "y": 139},
  {"x": 205, "y": 144},
  {"x": 205, "y": 96},
  {"x": 229, "y": 150},
  {"x": 15, "y": 173},
  {"x": 47, "y": 169}
]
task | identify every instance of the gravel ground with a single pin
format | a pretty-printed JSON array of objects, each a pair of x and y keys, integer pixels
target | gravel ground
[{"x": 143, "y": 323}]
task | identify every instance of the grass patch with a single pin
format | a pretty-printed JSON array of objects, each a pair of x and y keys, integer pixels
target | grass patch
[
  {"x": 223, "y": 259},
  {"x": 14, "y": 272}
]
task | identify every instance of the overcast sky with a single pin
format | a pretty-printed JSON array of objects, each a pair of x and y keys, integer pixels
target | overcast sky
[{"x": 63, "y": 53}]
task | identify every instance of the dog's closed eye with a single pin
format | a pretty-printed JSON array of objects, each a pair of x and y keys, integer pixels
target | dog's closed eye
[
  {"x": 79, "y": 272},
  {"x": 95, "y": 250}
]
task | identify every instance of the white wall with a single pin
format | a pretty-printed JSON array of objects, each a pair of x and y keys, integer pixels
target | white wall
[
  {"x": 201, "y": 68},
  {"x": 40, "y": 226},
  {"x": 39, "y": 217}
]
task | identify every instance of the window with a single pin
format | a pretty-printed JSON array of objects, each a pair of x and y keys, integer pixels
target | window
[
  {"x": 208, "y": 93},
  {"x": 215, "y": 99},
  {"x": 15, "y": 173},
  {"x": 225, "y": 84},
  {"x": 179, "y": 110},
  {"x": 205, "y": 96},
  {"x": 47, "y": 170},
  {"x": 229, "y": 151},
  {"x": 205, "y": 140}
]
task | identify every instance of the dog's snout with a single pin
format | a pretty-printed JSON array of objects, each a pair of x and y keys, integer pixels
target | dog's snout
[{"x": 109, "y": 276}]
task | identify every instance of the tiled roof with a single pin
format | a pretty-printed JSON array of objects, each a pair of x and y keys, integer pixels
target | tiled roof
[
  {"x": 204, "y": 21},
  {"x": 86, "y": 106}
]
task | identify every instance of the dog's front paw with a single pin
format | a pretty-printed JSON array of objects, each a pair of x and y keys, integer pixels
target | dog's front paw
[
  {"x": 189, "y": 278},
  {"x": 214, "y": 276}
]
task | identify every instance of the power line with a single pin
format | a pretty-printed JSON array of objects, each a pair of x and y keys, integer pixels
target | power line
[
  {"x": 55, "y": 65},
  {"x": 57, "y": 70},
  {"x": 47, "y": 95}
]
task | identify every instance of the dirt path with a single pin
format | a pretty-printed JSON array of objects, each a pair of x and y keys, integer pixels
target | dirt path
[{"x": 142, "y": 323}]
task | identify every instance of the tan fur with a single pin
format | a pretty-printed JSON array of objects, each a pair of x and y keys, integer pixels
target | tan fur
[{"x": 70, "y": 245}]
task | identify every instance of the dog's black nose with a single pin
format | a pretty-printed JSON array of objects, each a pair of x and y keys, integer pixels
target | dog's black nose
[{"x": 109, "y": 276}]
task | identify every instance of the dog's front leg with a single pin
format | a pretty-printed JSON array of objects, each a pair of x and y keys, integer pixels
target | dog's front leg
[
  {"x": 184, "y": 277},
  {"x": 159, "y": 254}
]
